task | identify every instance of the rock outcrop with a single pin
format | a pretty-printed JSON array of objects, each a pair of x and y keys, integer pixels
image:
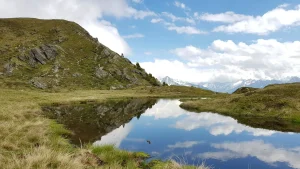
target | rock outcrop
[
  {"x": 41, "y": 55},
  {"x": 100, "y": 73}
]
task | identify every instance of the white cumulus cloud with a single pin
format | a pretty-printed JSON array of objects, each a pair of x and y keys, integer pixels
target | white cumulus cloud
[
  {"x": 174, "y": 18},
  {"x": 87, "y": 13},
  {"x": 226, "y": 17},
  {"x": 156, "y": 20},
  {"x": 186, "y": 30},
  {"x": 225, "y": 61},
  {"x": 181, "y": 5},
  {"x": 271, "y": 21}
]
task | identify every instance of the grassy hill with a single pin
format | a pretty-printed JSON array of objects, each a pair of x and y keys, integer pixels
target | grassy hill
[
  {"x": 275, "y": 106},
  {"x": 57, "y": 54},
  {"x": 50, "y": 54}
]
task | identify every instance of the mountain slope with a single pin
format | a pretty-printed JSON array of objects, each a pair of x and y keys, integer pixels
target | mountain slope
[{"x": 50, "y": 54}]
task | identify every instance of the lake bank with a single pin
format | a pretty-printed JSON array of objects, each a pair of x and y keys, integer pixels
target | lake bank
[
  {"x": 32, "y": 140},
  {"x": 274, "y": 103}
]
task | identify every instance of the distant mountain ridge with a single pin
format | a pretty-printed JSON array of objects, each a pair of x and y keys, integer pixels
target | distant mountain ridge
[
  {"x": 175, "y": 82},
  {"x": 228, "y": 87}
]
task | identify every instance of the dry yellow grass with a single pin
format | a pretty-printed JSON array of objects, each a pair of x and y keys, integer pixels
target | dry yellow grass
[{"x": 29, "y": 140}]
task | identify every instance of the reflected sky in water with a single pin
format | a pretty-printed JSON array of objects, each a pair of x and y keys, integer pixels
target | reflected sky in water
[{"x": 219, "y": 141}]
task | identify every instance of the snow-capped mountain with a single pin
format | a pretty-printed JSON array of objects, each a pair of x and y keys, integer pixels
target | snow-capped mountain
[
  {"x": 175, "y": 82},
  {"x": 229, "y": 87}
]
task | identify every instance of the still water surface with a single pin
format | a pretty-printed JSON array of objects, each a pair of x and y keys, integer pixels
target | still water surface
[{"x": 164, "y": 130}]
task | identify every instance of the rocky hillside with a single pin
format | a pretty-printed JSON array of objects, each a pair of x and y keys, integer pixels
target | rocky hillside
[{"x": 49, "y": 54}]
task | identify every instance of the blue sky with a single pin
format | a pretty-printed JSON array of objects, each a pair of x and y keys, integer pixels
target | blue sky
[
  {"x": 190, "y": 40},
  {"x": 159, "y": 41}
]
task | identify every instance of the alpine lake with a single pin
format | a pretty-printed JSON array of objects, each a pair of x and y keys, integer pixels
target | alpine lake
[{"x": 162, "y": 129}]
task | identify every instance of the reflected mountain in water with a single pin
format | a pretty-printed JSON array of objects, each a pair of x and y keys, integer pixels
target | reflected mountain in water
[
  {"x": 89, "y": 121},
  {"x": 221, "y": 141}
]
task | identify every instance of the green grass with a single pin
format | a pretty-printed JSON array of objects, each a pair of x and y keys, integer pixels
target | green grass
[
  {"x": 113, "y": 156},
  {"x": 171, "y": 164},
  {"x": 277, "y": 103},
  {"x": 78, "y": 53},
  {"x": 30, "y": 140}
]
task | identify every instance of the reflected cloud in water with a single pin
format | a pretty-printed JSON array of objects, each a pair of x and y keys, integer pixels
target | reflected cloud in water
[
  {"x": 115, "y": 137},
  {"x": 215, "y": 123},
  {"x": 257, "y": 148},
  {"x": 165, "y": 109},
  {"x": 218, "y": 125},
  {"x": 164, "y": 130},
  {"x": 186, "y": 144}
]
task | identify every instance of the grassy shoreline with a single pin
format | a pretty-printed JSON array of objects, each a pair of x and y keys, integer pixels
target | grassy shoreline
[
  {"x": 275, "y": 107},
  {"x": 30, "y": 140}
]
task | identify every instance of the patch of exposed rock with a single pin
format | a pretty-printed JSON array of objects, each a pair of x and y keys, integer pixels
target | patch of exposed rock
[
  {"x": 132, "y": 79},
  {"x": 77, "y": 74},
  {"x": 8, "y": 68},
  {"x": 100, "y": 73},
  {"x": 38, "y": 83},
  {"x": 40, "y": 55}
]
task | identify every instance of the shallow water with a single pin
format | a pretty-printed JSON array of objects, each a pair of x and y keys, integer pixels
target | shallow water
[{"x": 166, "y": 131}]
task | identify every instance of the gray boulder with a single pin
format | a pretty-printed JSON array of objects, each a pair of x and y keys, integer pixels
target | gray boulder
[
  {"x": 38, "y": 55},
  {"x": 49, "y": 51},
  {"x": 77, "y": 74},
  {"x": 100, "y": 73},
  {"x": 38, "y": 83},
  {"x": 106, "y": 52},
  {"x": 9, "y": 68},
  {"x": 113, "y": 88},
  {"x": 132, "y": 79},
  {"x": 56, "y": 68},
  {"x": 115, "y": 71}
]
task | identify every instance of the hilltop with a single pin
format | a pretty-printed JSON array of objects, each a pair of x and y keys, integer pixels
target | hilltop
[{"x": 50, "y": 54}]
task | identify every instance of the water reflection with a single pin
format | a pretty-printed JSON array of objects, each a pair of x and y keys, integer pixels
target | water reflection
[
  {"x": 164, "y": 130},
  {"x": 89, "y": 121},
  {"x": 165, "y": 109},
  {"x": 186, "y": 144},
  {"x": 217, "y": 125},
  {"x": 257, "y": 148},
  {"x": 115, "y": 137}
]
